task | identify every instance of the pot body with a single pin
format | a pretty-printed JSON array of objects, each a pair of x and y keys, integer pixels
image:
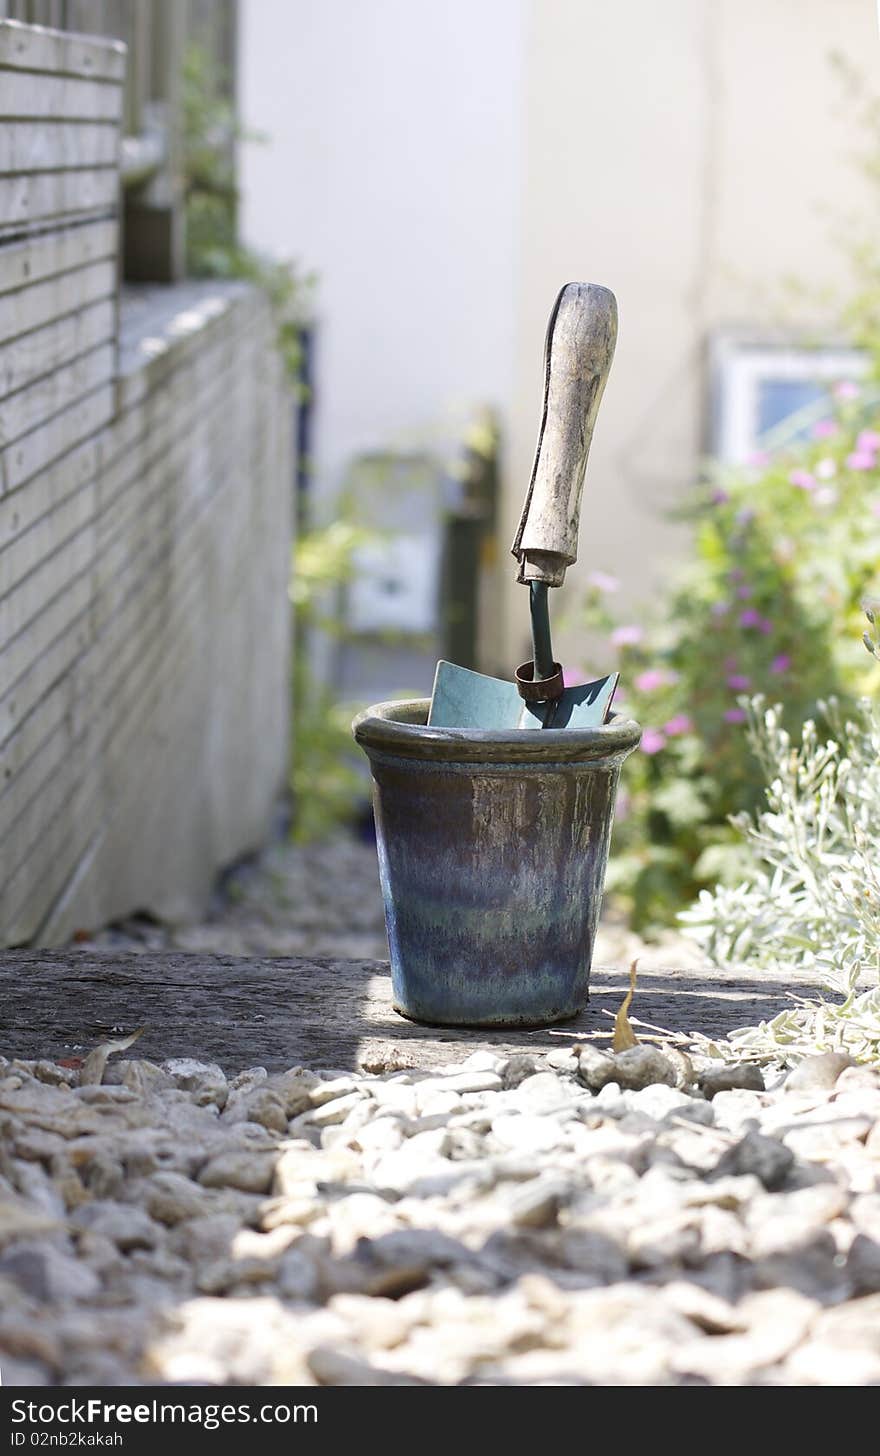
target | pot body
[{"x": 492, "y": 855}]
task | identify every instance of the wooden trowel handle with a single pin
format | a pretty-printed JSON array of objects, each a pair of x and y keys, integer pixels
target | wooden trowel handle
[{"x": 580, "y": 343}]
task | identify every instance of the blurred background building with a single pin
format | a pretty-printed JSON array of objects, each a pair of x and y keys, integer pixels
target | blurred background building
[{"x": 444, "y": 168}]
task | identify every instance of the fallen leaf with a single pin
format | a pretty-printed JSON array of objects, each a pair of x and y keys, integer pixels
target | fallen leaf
[
  {"x": 93, "y": 1067},
  {"x": 624, "y": 1036}
]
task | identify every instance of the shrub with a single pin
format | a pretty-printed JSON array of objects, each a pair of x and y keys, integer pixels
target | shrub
[
  {"x": 810, "y": 899},
  {"x": 783, "y": 554}
]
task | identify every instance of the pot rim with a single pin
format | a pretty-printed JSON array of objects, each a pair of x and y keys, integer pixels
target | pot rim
[{"x": 400, "y": 728}]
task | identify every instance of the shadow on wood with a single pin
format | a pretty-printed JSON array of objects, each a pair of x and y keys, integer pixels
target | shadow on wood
[{"x": 321, "y": 1013}]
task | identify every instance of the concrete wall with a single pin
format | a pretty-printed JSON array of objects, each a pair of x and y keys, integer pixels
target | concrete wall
[
  {"x": 690, "y": 155},
  {"x": 391, "y": 164},
  {"x": 145, "y": 483},
  {"x": 445, "y": 168}
]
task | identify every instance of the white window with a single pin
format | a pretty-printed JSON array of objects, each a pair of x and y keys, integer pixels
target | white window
[{"x": 771, "y": 393}]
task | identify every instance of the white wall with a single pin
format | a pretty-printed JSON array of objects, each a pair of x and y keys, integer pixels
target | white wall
[
  {"x": 446, "y": 167},
  {"x": 689, "y": 155},
  {"x": 392, "y": 169}
]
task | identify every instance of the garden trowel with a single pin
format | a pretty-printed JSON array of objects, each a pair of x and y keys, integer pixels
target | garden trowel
[{"x": 580, "y": 346}]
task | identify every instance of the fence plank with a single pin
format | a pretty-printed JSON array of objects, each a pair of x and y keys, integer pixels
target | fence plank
[
  {"x": 28, "y": 48},
  {"x": 58, "y": 98},
  {"x": 46, "y": 197},
  {"x": 40, "y": 402},
  {"x": 32, "y": 355},
  {"x": 75, "y": 246},
  {"x": 26, "y": 309},
  {"x": 57, "y": 146},
  {"x": 33, "y": 452}
]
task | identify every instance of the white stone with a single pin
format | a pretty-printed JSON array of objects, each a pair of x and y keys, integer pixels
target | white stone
[
  {"x": 458, "y": 1081},
  {"x": 337, "y": 1110},
  {"x": 527, "y": 1133}
]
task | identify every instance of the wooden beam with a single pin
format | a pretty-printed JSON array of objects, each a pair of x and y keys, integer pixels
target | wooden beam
[{"x": 324, "y": 1013}]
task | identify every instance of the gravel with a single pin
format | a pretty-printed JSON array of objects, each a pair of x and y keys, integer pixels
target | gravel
[
  {"x": 496, "y": 1222},
  {"x": 575, "y": 1218}
]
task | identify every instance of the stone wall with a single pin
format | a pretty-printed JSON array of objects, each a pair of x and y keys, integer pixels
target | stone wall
[{"x": 145, "y": 520}]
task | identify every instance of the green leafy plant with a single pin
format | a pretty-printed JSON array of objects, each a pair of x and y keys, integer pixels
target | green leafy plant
[
  {"x": 809, "y": 900},
  {"x": 211, "y": 130},
  {"x": 326, "y": 778},
  {"x": 783, "y": 553}
]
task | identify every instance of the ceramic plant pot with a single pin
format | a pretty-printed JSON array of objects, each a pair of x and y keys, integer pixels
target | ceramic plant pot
[{"x": 492, "y": 855}]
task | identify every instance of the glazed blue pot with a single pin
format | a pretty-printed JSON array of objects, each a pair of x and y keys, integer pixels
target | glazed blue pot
[{"x": 492, "y": 855}]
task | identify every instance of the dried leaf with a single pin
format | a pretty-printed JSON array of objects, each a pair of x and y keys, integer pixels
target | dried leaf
[
  {"x": 92, "y": 1073},
  {"x": 624, "y": 1036}
]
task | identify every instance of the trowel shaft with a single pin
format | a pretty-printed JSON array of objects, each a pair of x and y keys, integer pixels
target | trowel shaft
[{"x": 542, "y": 649}]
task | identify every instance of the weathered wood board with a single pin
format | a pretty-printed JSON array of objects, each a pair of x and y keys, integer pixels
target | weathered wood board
[
  {"x": 35, "y": 305},
  {"x": 145, "y": 517},
  {"x": 55, "y": 197},
  {"x": 164, "y": 544},
  {"x": 321, "y": 1013},
  {"x": 35, "y": 48},
  {"x": 50, "y": 255},
  {"x": 55, "y": 145},
  {"x": 30, "y": 357}
]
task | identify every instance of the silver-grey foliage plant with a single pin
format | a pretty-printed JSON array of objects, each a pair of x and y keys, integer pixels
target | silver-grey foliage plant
[{"x": 809, "y": 906}]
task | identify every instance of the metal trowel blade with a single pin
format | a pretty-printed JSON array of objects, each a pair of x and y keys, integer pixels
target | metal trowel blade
[{"x": 465, "y": 699}]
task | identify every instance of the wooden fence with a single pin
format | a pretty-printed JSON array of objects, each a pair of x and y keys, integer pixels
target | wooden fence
[
  {"x": 156, "y": 34},
  {"x": 145, "y": 494}
]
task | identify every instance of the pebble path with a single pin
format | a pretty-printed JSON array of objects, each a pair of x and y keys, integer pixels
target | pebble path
[{"x": 570, "y": 1218}]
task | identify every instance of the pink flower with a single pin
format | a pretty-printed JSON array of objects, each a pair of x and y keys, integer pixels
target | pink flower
[
  {"x": 861, "y": 460},
  {"x": 827, "y": 496},
  {"x": 736, "y": 573},
  {"x": 720, "y": 609},
  {"x": 750, "y": 618},
  {"x": 653, "y": 740},
  {"x": 572, "y": 677},
  {"x": 827, "y": 468},
  {"x": 739, "y": 682},
  {"x": 765, "y": 626},
  {"x": 681, "y": 723},
  {"x": 802, "y": 479},
  {"x": 744, "y": 592},
  {"x": 603, "y": 582},
  {"x": 846, "y": 389},
  {"x": 719, "y": 497},
  {"x": 730, "y": 664},
  {"x": 734, "y": 715},
  {"x": 780, "y": 663},
  {"x": 627, "y": 636},
  {"x": 745, "y": 516},
  {"x": 654, "y": 678},
  {"x": 823, "y": 429},
  {"x": 868, "y": 440},
  {"x": 758, "y": 458}
]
